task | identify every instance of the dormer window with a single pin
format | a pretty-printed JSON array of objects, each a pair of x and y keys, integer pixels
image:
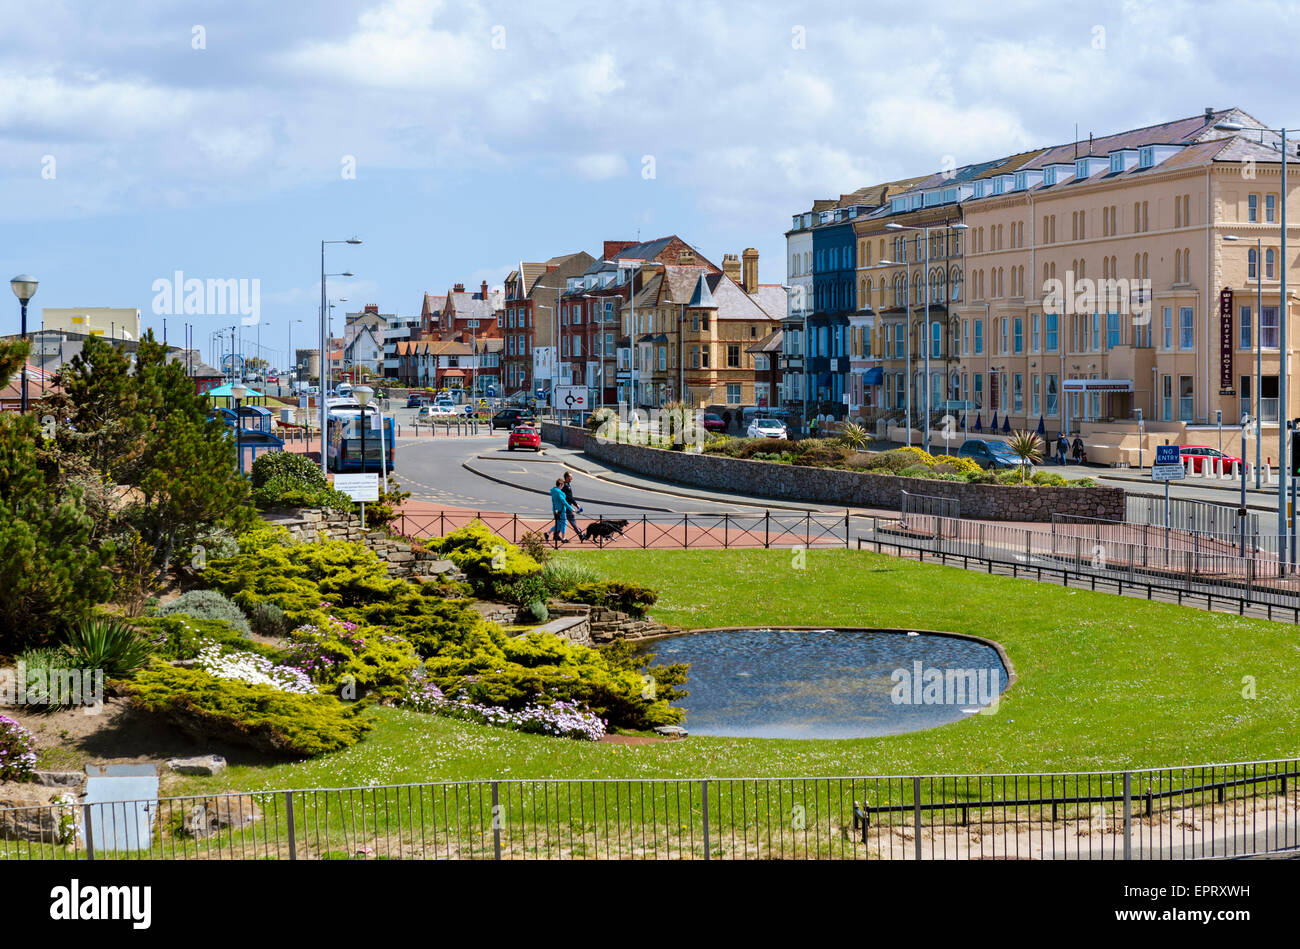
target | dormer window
[
  {"x": 999, "y": 184},
  {"x": 1081, "y": 168},
  {"x": 1049, "y": 176},
  {"x": 1116, "y": 162},
  {"x": 979, "y": 189},
  {"x": 1146, "y": 157},
  {"x": 1021, "y": 178}
]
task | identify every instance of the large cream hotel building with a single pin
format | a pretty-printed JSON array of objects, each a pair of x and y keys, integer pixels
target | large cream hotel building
[{"x": 1144, "y": 220}]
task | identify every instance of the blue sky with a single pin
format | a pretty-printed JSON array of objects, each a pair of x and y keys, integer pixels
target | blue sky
[{"x": 486, "y": 133}]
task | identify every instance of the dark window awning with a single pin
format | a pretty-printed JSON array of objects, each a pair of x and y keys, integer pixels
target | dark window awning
[{"x": 875, "y": 376}]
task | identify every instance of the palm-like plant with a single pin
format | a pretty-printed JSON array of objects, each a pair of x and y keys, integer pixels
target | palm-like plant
[
  {"x": 1028, "y": 447},
  {"x": 103, "y": 643},
  {"x": 854, "y": 434}
]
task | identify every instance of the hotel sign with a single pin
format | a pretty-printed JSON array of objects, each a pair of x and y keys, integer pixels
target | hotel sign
[{"x": 1225, "y": 342}]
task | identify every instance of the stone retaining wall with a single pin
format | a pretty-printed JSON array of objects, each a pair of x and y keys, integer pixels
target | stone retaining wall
[
  {"x": 566, "y": 436},
  {"x": 306, "y": 525},
  {"x": 993, "y": 502}
]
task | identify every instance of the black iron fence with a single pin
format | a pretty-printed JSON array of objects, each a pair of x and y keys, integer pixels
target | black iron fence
[
  {"x": 1200, "y": 568},
  {"x": 1172, "y": 813},
  {"x": 768, "y": 528}
]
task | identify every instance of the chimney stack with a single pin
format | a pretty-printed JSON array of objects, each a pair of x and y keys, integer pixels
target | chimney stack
[
  {"x": 484, "y": 289},
  {"x": 459, "y": 288},
  {"x": 750, "y": 269},
  {"x": 731, "y": 267},
  {"x": 612, "y": 248}
]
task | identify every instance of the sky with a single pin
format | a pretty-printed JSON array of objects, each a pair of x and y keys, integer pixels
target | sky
[{"x": 225, "y": 140}]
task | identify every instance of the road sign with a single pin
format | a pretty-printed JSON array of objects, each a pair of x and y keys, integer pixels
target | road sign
[
  {"x": 1169, "y": 465},
  {"x": 359, "y": 487},
  {"x": 570, "y": 398}
]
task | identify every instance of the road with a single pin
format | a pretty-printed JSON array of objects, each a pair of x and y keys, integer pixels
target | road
[{"x": 477, "y": 472}]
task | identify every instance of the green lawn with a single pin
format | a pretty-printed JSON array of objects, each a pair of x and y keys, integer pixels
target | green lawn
[{"x": 1104, "y": 682}]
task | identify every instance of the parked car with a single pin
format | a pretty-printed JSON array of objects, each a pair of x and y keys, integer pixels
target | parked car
[
  {"x": 1198, "y": 458},
  {"x": 990, "y": 453},
  {"x": 713, "y": 422},
  {"x": 524, "y": 436},
  {"x": 766, "y": 428},
  {"x": 509, "y": 418}
]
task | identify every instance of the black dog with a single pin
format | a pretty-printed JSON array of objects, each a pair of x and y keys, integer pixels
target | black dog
[{"x": 603, "y": 531}]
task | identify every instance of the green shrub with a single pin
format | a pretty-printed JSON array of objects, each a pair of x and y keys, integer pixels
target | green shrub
[
  {"x": 107, "y": 644},
  {"x": 1047, "y": 478},
  {"x": 286, "y": 479},
  {"x": 534, "y": 545},
  {"x": 338, "y": 653},
  {"x": 181, "y": 637},
  {"x": 267, "y": 619},
  {"x": 614, "y": 595},
  {"x": 1083, "y": 483},
  {"x": 215, "y": 710},
  {"x": 561, "y": 574},
  {"x": 538, "y": 612},
  {"x": 298, "y": 578},
  {"x": 41, "y": 667},
  {"x": 525, "y": 590},
  {"x": 208, "y": 604},
  {"x": 489, "y": 562},
  {"x": 894, "y": 461}
]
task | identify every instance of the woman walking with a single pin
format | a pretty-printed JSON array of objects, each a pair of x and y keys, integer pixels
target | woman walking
[{"x": 560, "y": 508}]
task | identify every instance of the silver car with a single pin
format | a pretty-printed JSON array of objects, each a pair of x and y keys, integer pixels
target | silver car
[{"x": 766, "y": 428}]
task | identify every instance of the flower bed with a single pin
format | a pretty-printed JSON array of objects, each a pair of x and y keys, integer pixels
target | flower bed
[{"x": 559, "y": 718}]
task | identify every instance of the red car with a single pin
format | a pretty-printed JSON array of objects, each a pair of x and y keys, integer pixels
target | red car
[
  {"x": 524, "y": 436},
  {"x": 714, "y": 423},
  {"x": 1199, "y": 458}
]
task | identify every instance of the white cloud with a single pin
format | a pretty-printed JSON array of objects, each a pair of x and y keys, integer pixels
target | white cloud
[{"x": 600, "y": 166}]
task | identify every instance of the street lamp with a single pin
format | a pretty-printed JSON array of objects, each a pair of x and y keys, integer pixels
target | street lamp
[
  {"x": 1259, "y": 340},
  {"x": 362, "y": 395},
  {"x": 324, "y": 314},
  {"x": 1284, "y": 310},
  {"x": 237, "y": 393},
  {"x": 24, "y": 288}
]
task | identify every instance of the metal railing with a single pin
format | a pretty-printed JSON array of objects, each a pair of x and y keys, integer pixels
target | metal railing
[
  {"x": 1185, "y": 514},
  {"x": 767, "y": 528},
  {"x": 1166, "y": 813},
  {"x": 929, "y": 505},
  {"x": 1181, "y": 564},
  {"x": 1102, "y": 529}
]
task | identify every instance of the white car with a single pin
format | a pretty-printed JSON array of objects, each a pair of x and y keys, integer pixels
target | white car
[
  {"x": 766, "y": 428},
  {"x": 443, "y": 409}
]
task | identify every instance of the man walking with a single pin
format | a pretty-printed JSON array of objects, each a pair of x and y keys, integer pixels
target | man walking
[
  {"x": 573, "y": 505},
  {"x": 1062, "y": 447},
  {"x": 560, "y": 508}
]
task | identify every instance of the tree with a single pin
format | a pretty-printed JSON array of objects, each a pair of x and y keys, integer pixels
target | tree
[
  {"x": 51, "y": 573},
  {"x": 191, "y": 485},
  {"x": 102, "y": 408},
  {"x": 1028, "y": 447},
  {"x": 12, "y": 356}
]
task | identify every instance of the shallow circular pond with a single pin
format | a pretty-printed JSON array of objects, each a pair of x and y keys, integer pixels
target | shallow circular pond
[{"x": 775, "y": 683}]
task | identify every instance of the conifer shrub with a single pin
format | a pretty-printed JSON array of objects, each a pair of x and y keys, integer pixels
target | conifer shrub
[
  {"x": 281, "y": 723},
  {"x": 208, "y": 604}
]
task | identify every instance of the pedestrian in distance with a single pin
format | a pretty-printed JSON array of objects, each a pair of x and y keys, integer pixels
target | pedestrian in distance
[
  {"x": 1062, "y": 448},
  {"x": 573, "y": 505},
  {"x": 1080, "y": 456},
  {"x": 560, "y": 509}
]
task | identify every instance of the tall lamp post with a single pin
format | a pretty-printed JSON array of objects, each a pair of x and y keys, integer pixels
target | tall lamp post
[
  {"x": 363, "y": 394},
  {"x": 803, "y": 359},
  {"x": 237, "y": 393},
  {"x": 324, "y": 314},
  {"x": 1285, "y": 318},
  {"x": 24, "y": 288},
  {"x": 1259, "y": 342}
]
